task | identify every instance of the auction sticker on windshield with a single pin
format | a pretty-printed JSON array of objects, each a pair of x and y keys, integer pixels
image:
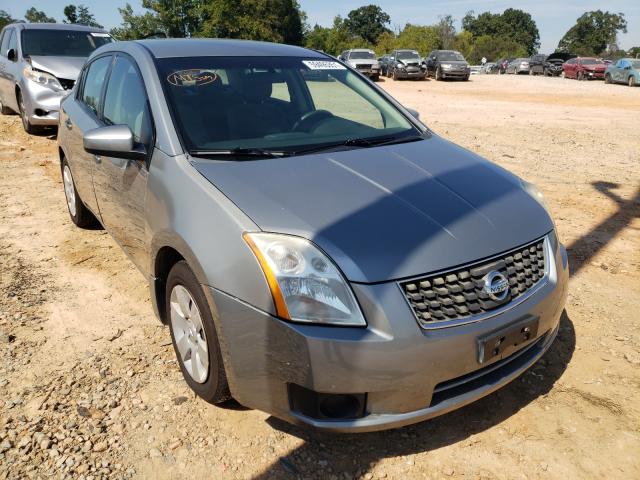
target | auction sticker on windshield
[
  {"x": 323, "y": 65},
  {"x": 191, "y": 78}
]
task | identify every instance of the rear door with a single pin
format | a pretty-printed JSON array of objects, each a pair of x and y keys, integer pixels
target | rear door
[
  {"x": 78, "y": 116},
  {"x": 121, "y": 184},
  {"x": 569, "y": 68}
]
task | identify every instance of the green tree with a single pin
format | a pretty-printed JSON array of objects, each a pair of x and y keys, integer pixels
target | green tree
[
  {"x": 270, "y": 20},
  {"x": 134, "y": 26},
  {"x": 423, "y": 38},
  {"x": 634, "y": 52},
  {"x": 80, "y": 15},
  {"x": 446, "y": 32},
  {"x": 37, "y": 16},
  {"x": 386, "y": 43},
  {"x": 512, "y": 24},
  {"x": 464, "y": 43},
  {"x": 5, "y": 19},
  {"x": 367, "y": 22},
  {"x": 316, "y": 38},
  {"x": 495, "y": 48},
  {"x": 594, "y": 33}
]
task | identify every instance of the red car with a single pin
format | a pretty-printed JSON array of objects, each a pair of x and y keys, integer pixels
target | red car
[{"x": 584, "y": 68}]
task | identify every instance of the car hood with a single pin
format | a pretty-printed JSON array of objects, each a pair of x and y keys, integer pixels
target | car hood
[
  {"x": 61, "y": 67},
  {"x": 410, "y": 62},
  {"x": 388, "y": 212},
  {"x": 595, "y": 68}
]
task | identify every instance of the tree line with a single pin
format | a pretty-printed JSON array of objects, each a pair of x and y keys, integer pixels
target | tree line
[{"x": 512, "y": 33}]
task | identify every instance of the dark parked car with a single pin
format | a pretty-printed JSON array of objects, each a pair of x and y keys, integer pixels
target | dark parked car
[
  {"x": 442, "y": 64},
  {"x": 536, "y": 64},
  {"x": 584, "y": 68},
  {"x": 405, "y": 64},
  {"x": 315, "y": 250},
  {"x": 553, "y": 63},
  {"x": 502, "y": 65}
]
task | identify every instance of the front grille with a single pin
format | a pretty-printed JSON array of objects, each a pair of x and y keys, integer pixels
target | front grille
[
  {"x": 364, "y": 66},
  {"x": 66, "y": 84},
  {"x": 459, "y": 294}
]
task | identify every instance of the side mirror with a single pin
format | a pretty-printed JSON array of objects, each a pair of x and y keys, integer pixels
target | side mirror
[
  {"x": 113, "y": 141},
  {"x": 12, "y": 55},
  {"x": 413, "y": 112}
]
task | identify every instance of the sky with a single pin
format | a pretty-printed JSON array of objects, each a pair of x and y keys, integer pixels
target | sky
[{"x": 553, "y": 17}]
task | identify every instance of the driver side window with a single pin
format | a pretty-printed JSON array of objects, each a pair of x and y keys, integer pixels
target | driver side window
[{"x": 125, "y": 101}]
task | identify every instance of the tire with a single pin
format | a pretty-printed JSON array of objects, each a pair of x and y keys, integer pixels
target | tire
[
  {"x": 466, "y": 79},
  {"x": 191, "y": 325},
  {"x": 80, "y": 215},
  {"x": 632, "y": 81},
  {"x": 394, "y": 74},
  {"x": 438, "y": 75},
  {"x": 580, "y": 76},
  {"x": 607, "y": 78},
  {"x": 376, "y": 77},
  {"x": 5, "y": 110},
  {"x": 26, "y": 124}
]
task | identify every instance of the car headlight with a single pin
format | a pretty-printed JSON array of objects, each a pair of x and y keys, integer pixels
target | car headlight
[
  {"x": 42, "y": 78},
  {"x": 305, "y": 284},
  {"x": 446, "y": 66}
]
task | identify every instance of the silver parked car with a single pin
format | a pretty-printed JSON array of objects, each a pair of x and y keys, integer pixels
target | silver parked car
[
  {"x": 39, "y": 64},
  {"x": 363, "y": 60},
  {"x": 316, "y": 251},
  {"x": 518, "y": 66}
]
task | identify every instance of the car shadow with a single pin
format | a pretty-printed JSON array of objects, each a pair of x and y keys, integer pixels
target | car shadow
[
  {"x": 354, "y": 455},
  {"x": 583, "y": 249}
]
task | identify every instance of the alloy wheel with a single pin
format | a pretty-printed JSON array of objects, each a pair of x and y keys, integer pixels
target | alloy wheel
[
  {"x": 189, "y": 334},
  {"x": 632, "y": 81},
  {"x": 23, "y": 112},
  {"x": 69, "y": 190}
]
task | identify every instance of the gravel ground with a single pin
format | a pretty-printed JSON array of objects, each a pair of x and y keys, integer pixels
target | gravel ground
[{"x": 89, "y": 387}]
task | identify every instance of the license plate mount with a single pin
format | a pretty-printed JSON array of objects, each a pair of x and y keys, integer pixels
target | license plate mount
[{"x": 506, "y": 340}]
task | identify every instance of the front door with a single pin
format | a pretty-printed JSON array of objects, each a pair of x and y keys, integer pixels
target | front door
[{"x": 121, "y": 184}]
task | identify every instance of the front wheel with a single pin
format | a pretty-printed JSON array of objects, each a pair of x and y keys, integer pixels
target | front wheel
[
  {"x": 607, "y": 78},
  {"x": 375, "y": 77},
  {"x": 193, "y": 335},
  {"x": 632, "y": 81},
  {"x": 24, "y": 115},
  {"x": 438, "y": 74},
  {"x": 395, "y": 74},
  {"x": 5, "y": 110},
  {"x": 80, "y": 215},
  {"x": 580, "y": 76}
]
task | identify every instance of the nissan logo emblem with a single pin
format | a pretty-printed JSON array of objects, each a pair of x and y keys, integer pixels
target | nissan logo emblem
[{"x": 496, "y": 286}]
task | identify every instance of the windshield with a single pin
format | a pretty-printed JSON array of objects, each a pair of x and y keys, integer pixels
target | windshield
[
  {"x": 361, "y": 55},
  {"x": 450, "y": 56},
  {"x": 592, "y": 61},
  {"x": 283, "y": 104},
  {"x": 408, "y": 56},
  {"x": 62, "y": 43}
]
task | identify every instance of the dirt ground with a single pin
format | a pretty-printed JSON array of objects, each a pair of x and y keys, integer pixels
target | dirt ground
[{"x": 89, "y": 387}]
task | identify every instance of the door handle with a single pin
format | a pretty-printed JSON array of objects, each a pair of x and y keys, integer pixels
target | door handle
[
  {"x": 68, "y": 123},
  {"x": 97, "y": 159}
]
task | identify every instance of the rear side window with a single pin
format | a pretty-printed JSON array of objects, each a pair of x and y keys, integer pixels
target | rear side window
[
  {"x": 4, "y": 46},
  {"x": 13, "y": 42},
  {"x": 93, "y": 82},
  {"x": 125, "y": 102}
]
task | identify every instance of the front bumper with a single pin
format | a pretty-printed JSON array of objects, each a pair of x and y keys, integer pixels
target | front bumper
[
  {"x": 594, "y": 75},
  {"x": 456, "y": 73},
  {"x": 42, "y": 104},
  {"x": 410, "y": 73},
  {"x": 407, "y": 374}
]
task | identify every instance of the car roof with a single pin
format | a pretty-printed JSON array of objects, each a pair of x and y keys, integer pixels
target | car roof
[
  {"x": 209, "y": 47},
  {"x": 56, "y": 26},
  {"x": 360, "y": 50}
]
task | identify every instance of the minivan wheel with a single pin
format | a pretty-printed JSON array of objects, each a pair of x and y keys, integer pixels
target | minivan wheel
[
  {"x": 80, "y": 215},
  {"x": 5, "y": 110},
  {"x": 194, "y": 336},
  {"x": 26, "y": 124}
]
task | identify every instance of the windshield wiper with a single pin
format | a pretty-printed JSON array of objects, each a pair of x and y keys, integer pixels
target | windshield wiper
[
  {"x": 239, "y": 152},
  {"x": 360, "y": 142}
]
